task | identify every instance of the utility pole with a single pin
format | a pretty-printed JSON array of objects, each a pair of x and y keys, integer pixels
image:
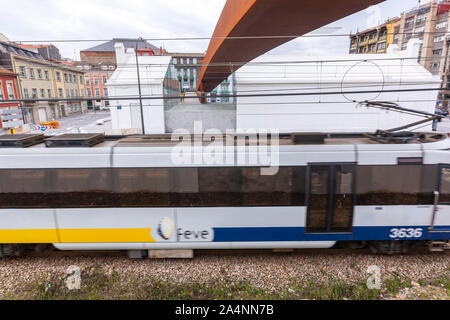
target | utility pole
[{"x": 139, "y": 85}]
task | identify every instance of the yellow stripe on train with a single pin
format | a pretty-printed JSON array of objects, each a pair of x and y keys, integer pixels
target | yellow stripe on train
[{"x": 76, "y": 236}]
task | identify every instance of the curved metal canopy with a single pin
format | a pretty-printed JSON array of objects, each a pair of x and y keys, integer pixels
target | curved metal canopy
[{"x": 267, "y": 24}]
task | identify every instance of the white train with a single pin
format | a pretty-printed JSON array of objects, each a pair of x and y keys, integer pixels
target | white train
[{"x": 84, "y": 192}]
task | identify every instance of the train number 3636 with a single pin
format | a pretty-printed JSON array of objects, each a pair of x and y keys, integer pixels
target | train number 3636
[{"x": 406, "y": 233}]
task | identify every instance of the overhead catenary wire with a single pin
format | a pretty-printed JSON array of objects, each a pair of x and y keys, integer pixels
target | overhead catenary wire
[
  {"x": 249, "y": 37},
  {"x": 262, "y": 95}
]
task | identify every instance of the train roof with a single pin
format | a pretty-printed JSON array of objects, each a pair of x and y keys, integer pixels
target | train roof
[
  {"x": 99, "y": 151},
  {"x": 96, "y": 141}
]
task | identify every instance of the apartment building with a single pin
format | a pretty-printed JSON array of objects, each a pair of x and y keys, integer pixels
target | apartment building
[
  {"x": 188, "y": 67},
  {"x": 374, "y": 40},
  {"x": 40, "y": 79},
  {"x": 96, "y": 76},
  {"x": 36, "y": 82},
  {"x": 70, "y": 83}
]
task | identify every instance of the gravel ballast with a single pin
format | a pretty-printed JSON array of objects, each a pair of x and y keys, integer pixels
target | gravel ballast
[{"x": 268, "y": 272}]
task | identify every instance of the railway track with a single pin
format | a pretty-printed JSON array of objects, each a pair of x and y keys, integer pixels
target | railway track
[{"x": 210, "y": 252}]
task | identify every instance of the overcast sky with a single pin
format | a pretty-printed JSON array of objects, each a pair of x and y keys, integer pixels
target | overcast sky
[{"x": 23, "y": 20}]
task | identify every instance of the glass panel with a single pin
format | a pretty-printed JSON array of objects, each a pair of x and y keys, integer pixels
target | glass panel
[
  {"x": 266, "y": 190},
  {"x": 389, "y": 185},
  {"x": 142, "y": 187},
  {"x": 220, "y": 186},
  {"x": 343, "y": 199},
  {"x": 445, "y": 186},
  {"x": 318, "y": 202}
]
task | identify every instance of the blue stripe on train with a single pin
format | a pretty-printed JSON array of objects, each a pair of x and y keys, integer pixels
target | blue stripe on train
[{"x": 268, "y": 234}]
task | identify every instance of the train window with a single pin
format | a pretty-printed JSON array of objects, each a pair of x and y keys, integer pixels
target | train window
[
  {"x": 219, "y": 186},
  {"x": 25, "y": 180},
  {"x": 14, "y": 183},
  {"x": 318, "y": 201},
  {"x": 259, "y": 190},
  {"x": 142, "y": 187},
  {"x": 343, "y": 199},
  {"x": 389, "y": 185},
  {"x": 142, "y": 180},
  {"x": 81, "y": 180},
  {"x": 151, "y": 187},
  {"x": 445, "y": 185}
]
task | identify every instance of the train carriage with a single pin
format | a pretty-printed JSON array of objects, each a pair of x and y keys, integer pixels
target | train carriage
[{"x": 128, "y": 193}]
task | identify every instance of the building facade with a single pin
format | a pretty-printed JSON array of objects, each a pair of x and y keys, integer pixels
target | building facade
[
  {"x": 40, "y": 79},
  {"x": 69, "y": 83},
  {"x": 374, "y": 40},
  {"x": 96, "y": 76},
  {"x": 36, "y": 82},
  {"x": 8, "y": 91},
  {"x": 188, "y": 67}
]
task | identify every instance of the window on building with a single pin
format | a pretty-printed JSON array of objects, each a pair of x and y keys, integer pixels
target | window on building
[
  {"x": 66, "y": 79},
  {"x": 26, "y": 94},
  {"x": 409, "y": 22},
  {"x": 420, "y": 30},
  {"x": 1, "y": 92},
  {"x": 60, "y": 92},
  {"x": 39, "y": 73},
  {"x": 104, "y": 79},
  {"x": 421, "y": 18},
  {"x": 42, "y": 91},
  {"x": 434, "y": 65},
  {"x": 49, "y": 93},
  {"x": 441, "y": 25},
  {"x": 97, "y": 92},
  {"x": 82, "y": 92},
  {"x": 58, "y": 76},
  {"x": 31, "y": 73},
  {"x": 105, "y": 92},
  {"x": 87, "y": 80},
  {"x": 67, "y": 93},
  {"x": 438, "y": 38},
  {"x": 81, "y": 79},
  {"x": 195, "y": 60},
  {"x": 86, "y": 68},
  {"x": 381, "y": 46},
  {"x": 72, "y": 92},
  {"x": 46, "y": 75},
  {"x": 22, "y": 71},
  {"x": 95, "y": 80},
  {"x": 10, "y": 89},
  {"x": 437, "y": 52},
  {"x": 34, "y": 93},
  {"x": 89, "y": 93}
]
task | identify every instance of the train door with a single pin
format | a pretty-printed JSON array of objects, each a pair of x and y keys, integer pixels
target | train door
[
  {"x": 331, "y": 198},
  {"x": 441, "y": 215}
]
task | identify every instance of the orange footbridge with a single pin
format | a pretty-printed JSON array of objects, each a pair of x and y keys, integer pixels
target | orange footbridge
[{"x": 250, "y": 28}]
